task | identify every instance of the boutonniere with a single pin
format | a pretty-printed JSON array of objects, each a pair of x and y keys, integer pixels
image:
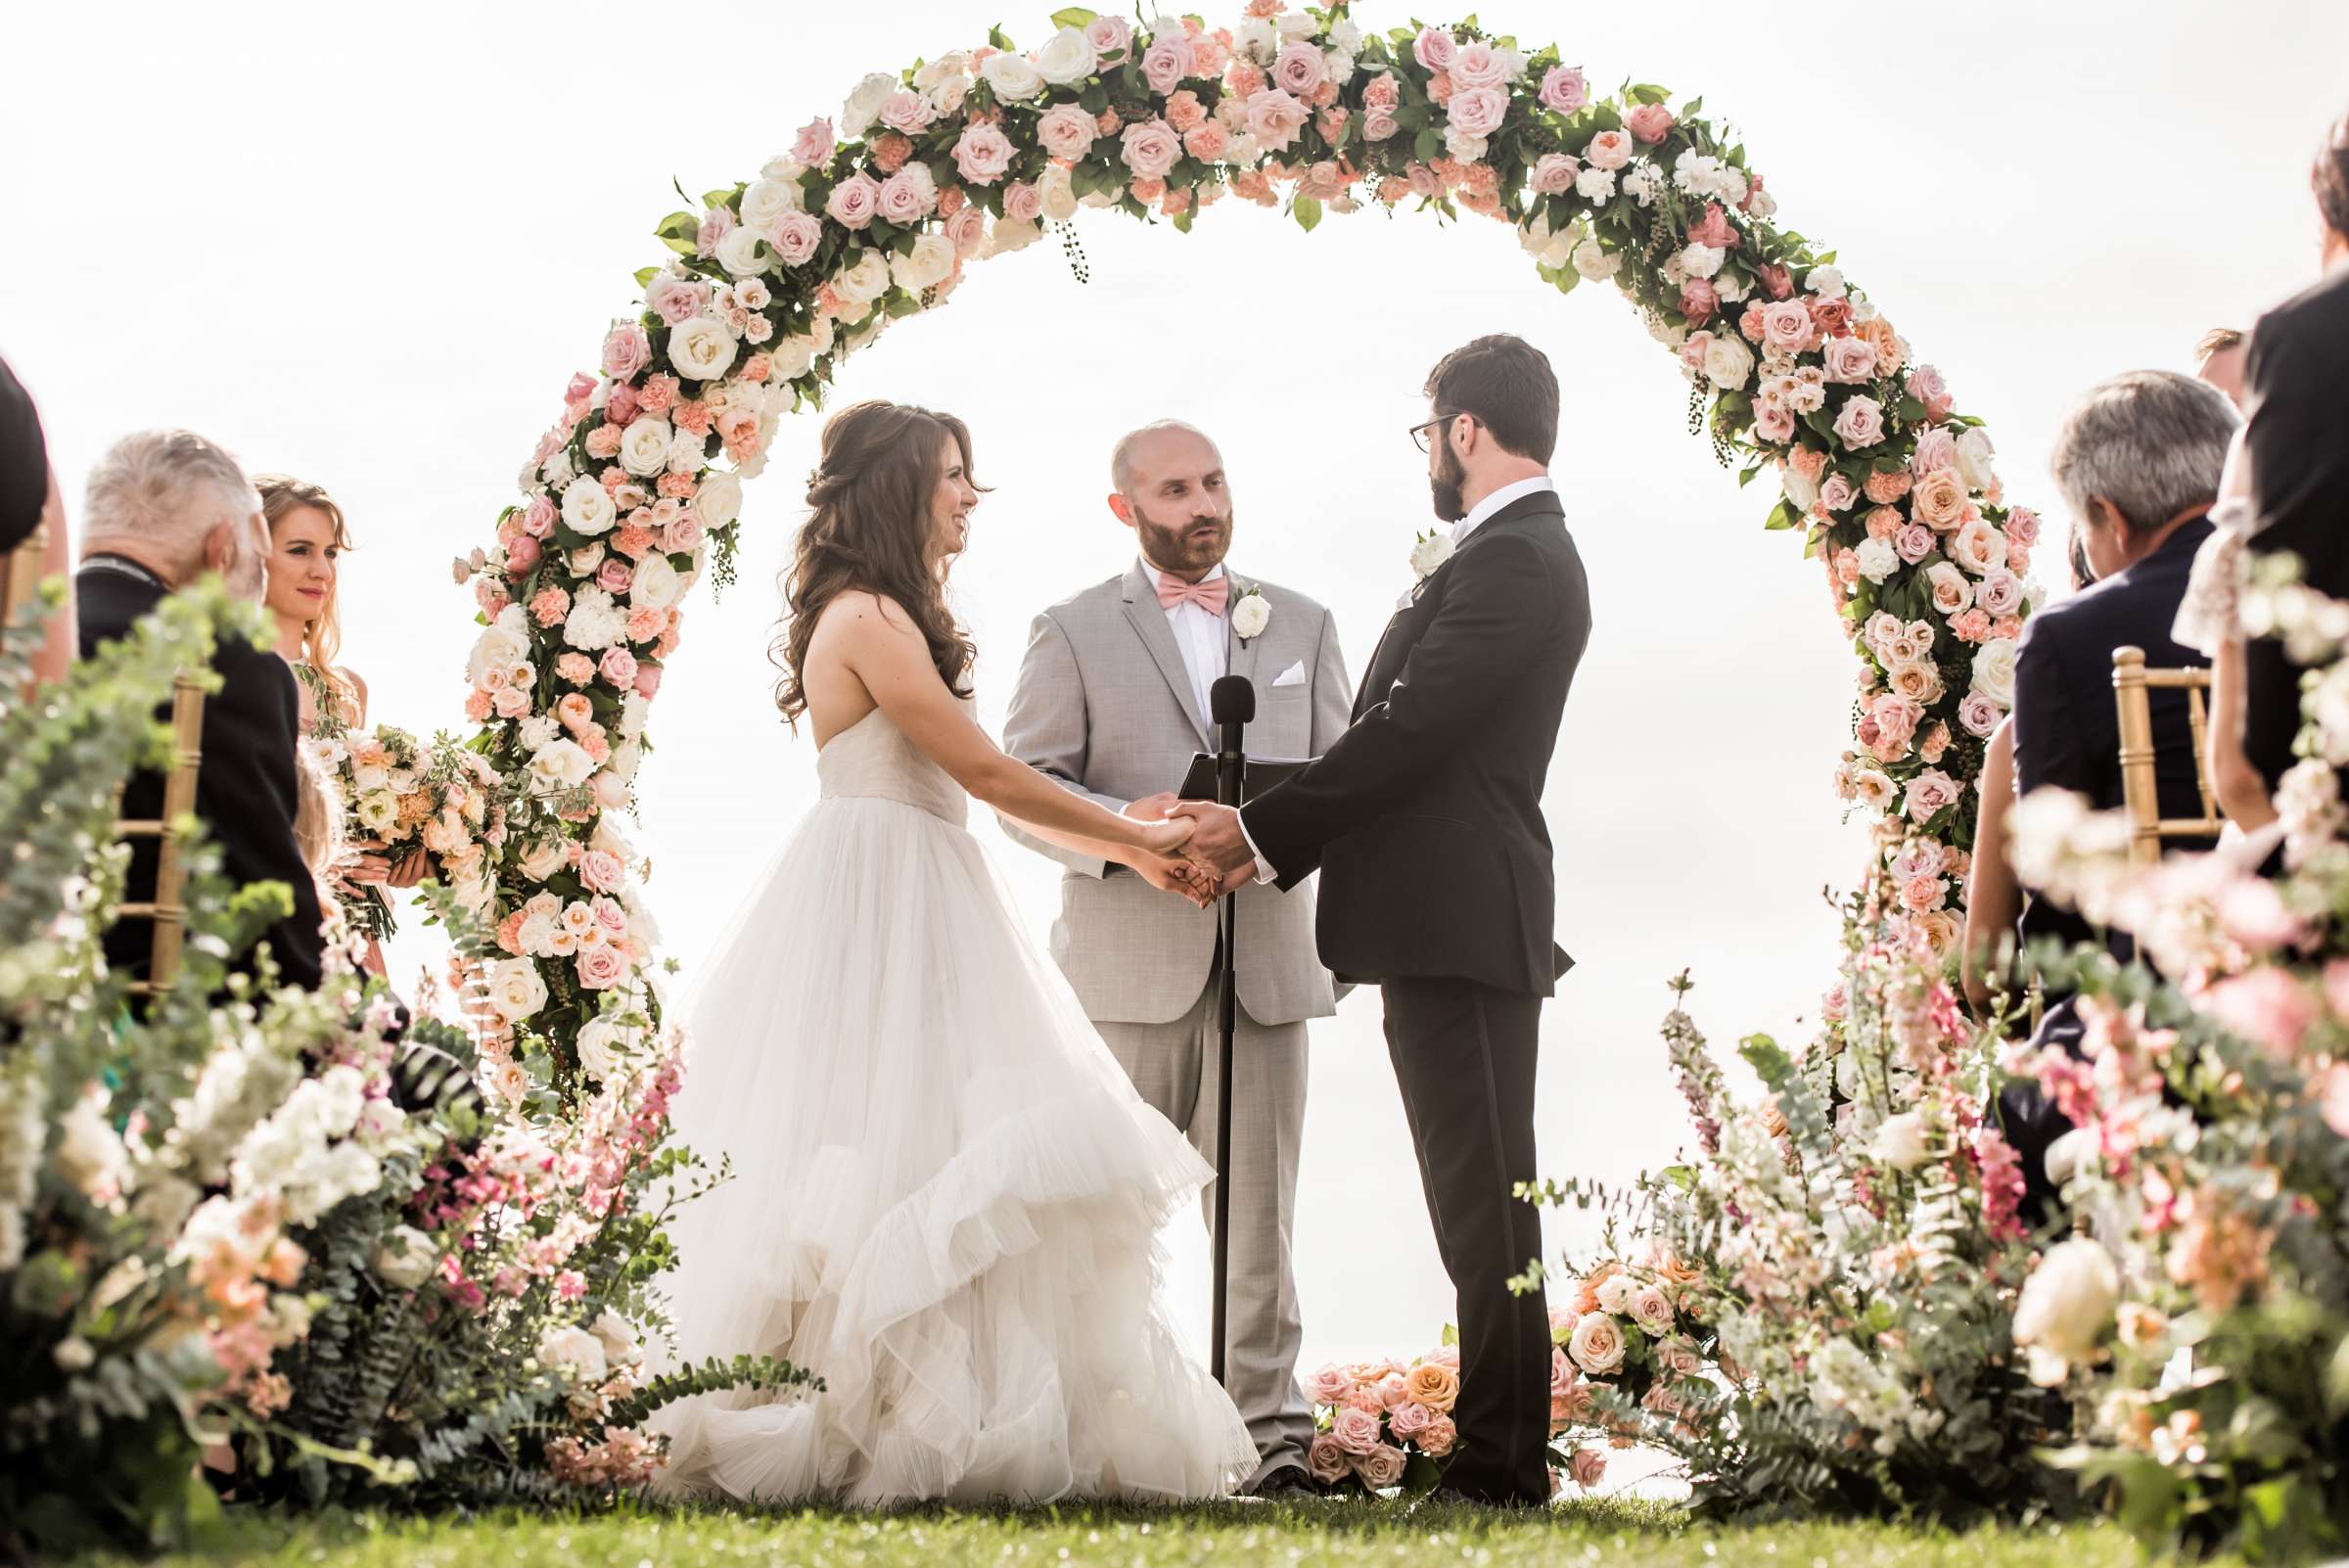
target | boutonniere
[
  {"x": 1429, "y": 551},
  {"x": 1249, "y": 614}
]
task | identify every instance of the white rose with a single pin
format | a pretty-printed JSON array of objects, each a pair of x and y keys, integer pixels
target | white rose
[
  {"x": 1596, "y": 263},
  {"x": 1463, "y": 147},
  {"x": 1250, "y": 615},
  {"x": 588, "y": 507},
  {"x": 930, "y": 263},
  {"x": 2064, "y": 1308},
  {"x": 740, "y": 253},
  {"x": 561, "y": 764},
  {"x": 1005, "y": 238},
  {"x": 537, "y": 730},
  {"x": 1994, "y": 670},
  {"x": 1901, "y": 1141},
  {"x": 718, "y": 501},
  {"x": 951, "y": 66},
  {"x": 863, "y": 108},
  {"x": 1878, "y": 560},
  {"x": 1059, "y": 191},
  {"x": 1802, "y": 490},
  {"x": 1700, "y": 261},
  {"x": 1257, "y": 40},
  {"x": 628, "y": 755},
  {"x": 498, "y": 648},
  {"x": 1068, "y": 58},
  {"x": 1614, "y": 1292},
  {"x": 767, "y": 200},
  {"x": 1296, "y": 24},
  {"x": 543, "y": 857},
  {"x": 702, "y": 347},
  {"x": 573, "y": 1349},
  {"x": 1728, "y": 362},
  {"x": 514, "y": 989},
  {"x": 1825, "y": 282},
  {"x": 868, "y": 279},
  {"x": 1974, "y": 460},
  {"x": 404, "y": 1258},
  {"x": 656, "y": 582},
  {"x": 89, "y": 1153},
  {"x": 378, "y": 810},
  {"x": 1431, "y": 552},
  {"x": 644, "y": 447},
  {"x": 617, "y": 1338},
  {"x": 1014, "y": 79},
  {"x": 1597, "y": 1344}
]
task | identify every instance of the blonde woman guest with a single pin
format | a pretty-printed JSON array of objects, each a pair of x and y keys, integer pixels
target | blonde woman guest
[{"x": 307, "y": 538}]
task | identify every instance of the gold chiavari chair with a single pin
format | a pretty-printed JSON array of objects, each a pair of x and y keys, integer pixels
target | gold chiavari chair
[
  {"x": 167, "y": 908},
  {"x": 2133, "y": 686}
]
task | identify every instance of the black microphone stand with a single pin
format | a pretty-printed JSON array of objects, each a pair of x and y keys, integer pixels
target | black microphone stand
[{"x": 1231, "y": 704}]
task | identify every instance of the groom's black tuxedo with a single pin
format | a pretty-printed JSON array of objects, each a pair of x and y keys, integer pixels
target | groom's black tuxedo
[{"x": 1425, "y": 822}]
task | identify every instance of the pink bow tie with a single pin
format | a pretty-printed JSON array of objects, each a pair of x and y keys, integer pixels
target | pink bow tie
[{"x": 1210, "y": 595}]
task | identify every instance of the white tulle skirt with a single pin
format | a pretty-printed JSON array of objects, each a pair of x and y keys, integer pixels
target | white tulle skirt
[{"x": 945, "y": 1200}]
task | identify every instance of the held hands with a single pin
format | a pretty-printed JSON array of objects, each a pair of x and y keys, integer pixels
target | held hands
[
  {"x": 372, "y": 869},
  {"x": 1218, "y": 842},
  {"x": 1159, "y": 861}
]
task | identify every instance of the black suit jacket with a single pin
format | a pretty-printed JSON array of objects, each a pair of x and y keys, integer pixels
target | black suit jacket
[
  {"x": 1425, "y": 817},
  {"x": 2067, "y": 730},
  {"x": 2298, "y": 435},
  {"x": 245, "y": 789}
]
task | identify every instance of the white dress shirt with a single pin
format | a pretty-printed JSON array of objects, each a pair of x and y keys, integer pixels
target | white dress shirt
[{"x": 1204, "y": 639}]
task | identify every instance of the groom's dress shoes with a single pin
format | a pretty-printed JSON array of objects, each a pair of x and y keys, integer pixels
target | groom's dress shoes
[{"x": 1288, "y": 1484}]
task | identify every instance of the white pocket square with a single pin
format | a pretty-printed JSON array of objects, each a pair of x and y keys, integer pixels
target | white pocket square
[{"x": 1294, "y": 675}]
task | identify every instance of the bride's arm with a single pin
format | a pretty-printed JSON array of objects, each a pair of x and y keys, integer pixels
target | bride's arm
[{"x": 882, "y": 647}]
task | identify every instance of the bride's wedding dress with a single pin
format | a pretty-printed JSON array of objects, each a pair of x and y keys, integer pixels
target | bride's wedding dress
[{"x": 947, "y": 1195}]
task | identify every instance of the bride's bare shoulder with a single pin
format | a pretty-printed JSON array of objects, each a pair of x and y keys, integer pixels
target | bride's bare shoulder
[{"x": 857, "y": 616}]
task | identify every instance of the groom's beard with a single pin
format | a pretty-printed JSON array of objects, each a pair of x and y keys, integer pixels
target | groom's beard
[
  {"x": 1445, "y": 483},
  {"x": 1191, "y": 548}
]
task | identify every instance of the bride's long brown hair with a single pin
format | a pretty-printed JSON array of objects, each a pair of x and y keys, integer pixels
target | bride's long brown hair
[{"x": 868, "y": 530}]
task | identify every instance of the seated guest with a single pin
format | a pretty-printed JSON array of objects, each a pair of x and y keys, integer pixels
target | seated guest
[
  {"x": 2137, "y": 461},
  {"x": 2297, "y": 441},
  {"x": 163, "y": 508},
  {"x": 32, "y": 525},
  {"x": 2219, "y": 361}
]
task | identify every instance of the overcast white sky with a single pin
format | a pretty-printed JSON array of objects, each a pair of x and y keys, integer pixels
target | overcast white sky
[{"x": 370, "y": 247}]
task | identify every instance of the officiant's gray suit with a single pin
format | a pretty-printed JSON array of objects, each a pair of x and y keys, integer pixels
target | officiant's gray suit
[{"x": 1109, "y": 707}]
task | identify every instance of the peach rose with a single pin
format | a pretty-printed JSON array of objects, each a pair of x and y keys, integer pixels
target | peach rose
[
  {"x": 1611, "y": 149},
  {"x": 1436, "y": 1387},
  {"x": 1597, "y": 1345}
]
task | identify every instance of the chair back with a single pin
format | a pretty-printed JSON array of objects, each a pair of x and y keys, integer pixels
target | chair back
[
  {"x": 166, "y": 910},
  {"x": 20, "y": 573},
  {"x": 2133, "y": 686}
]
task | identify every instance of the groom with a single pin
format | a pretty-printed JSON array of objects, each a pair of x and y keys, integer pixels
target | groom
[
  {"x": 1112, "y": 702},
  {"x": 1425, "y": 821}
]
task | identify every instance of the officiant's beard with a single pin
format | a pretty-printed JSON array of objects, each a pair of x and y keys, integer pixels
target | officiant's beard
[
  {"x": 1446, "y": 484},
  {"x": 1190, "y": 550}
]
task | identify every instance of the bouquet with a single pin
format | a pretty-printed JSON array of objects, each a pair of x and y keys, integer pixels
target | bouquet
[{"x": 404, "y": 797}]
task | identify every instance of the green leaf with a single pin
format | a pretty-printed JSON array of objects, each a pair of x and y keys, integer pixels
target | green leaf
[
  {"x": 1782, "y": 516},
  {"x": 1451, "y": 1334},
  {"x": 1427, "y": 146},
  {"x": 1182, "y": 221},
  {"x": 1307, "y": 212},
  {"x": 680, "y": 232},
  {"x": 1646, "y": 93},
  {"x": 645, "y": 276},
  {"x": 1072, "y": 17},
  {"x": 997, "y": 38},
  {"x": 1767, "y": 1058}
]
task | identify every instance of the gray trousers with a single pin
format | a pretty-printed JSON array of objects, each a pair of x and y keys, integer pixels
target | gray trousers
[{"x": 1173, "y": 1065}]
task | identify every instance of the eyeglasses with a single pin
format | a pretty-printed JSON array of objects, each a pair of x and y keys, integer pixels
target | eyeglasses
[{"x": 1420, "y": 436}]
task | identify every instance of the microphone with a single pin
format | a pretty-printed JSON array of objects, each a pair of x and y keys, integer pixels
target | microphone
[{"x": 1231, "y": 705}]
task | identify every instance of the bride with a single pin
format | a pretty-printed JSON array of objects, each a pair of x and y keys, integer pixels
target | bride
[{"x": 945, "y": 1193}]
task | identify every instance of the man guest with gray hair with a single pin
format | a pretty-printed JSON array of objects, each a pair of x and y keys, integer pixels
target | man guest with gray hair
[
  {"x": 164, "y": 508},
  {"x": 1112, "y": 702},
  {"x": 2138, "y": 462}
]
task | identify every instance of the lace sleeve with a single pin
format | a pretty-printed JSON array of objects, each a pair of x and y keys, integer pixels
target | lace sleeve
[{"x": 2207, "y": 616}]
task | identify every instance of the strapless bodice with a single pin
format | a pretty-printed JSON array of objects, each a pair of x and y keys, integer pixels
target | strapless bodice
[{"x": 872, "y": 760}]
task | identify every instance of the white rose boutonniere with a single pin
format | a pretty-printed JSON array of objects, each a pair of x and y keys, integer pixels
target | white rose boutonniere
[
  {"x": 1251, "y": 613},
  {"x": 1429, "y": 551}
]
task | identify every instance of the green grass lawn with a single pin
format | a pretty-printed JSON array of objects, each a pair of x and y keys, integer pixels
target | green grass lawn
[{"x": 1617, "y": 1535}]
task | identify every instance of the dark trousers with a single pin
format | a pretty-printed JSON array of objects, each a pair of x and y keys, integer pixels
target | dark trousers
[{"x": 1464, "y": 1056}]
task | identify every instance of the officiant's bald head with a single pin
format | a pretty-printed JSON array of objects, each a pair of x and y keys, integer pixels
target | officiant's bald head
[{"x": 1169, "y": 486}]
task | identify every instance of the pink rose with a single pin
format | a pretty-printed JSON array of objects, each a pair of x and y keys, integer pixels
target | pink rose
[
  {"x": 627, "y": 350},
  {"x": 1381, "y": 1467},
  {"x": 967, "y": 228},
  {"x": 1564, "y": 90},
  {"x": 908, "y": 196},
  {"x": 1357, "y": 1431},
  {"x": 1553, "y": 174},
  {"x": 1438, "y": 1440},
  {"x": 983, "y": 154},
  {"x": 538, "y": 518},
  {"x": 675, "y": 299},
  {"x": 717, "y": 225},
  {"x": 1329, "y": 1385},
  {"x": 1274, "y": 118},
  {"x": 813, "y": 145},
  {"x": 1860, "y": 424},
  {"x": 905, "y": 111},
  {"x": 647, "y": 680},
  {"x": 1609, "y": 149},
  {"x": 1407, "y": 1419},
  {"x": 1165, "y": 63},
  {"x": 1110, "y": 37},
  {"x": 1851, "y": 359},
  {"x": 1479, "y": 110},
  {"x": 1926, "y": 385},
  {"x": 1929, "y": 792},
  {"x": 1786, "y": 326},
  {"x": 681, "y": 533},
  {"x": 521, "y": 554},
  {"x": 1023, "y": 203},
  {"x": 1477, "y": 65},
  {"x": 1915, "y": 542},
  {"x": 1150, "y": 148},
  {"x": 1325, "y": 1461},
  {"x": 795, "y": 237},
  {"x": 1299, "y": 69},
  {"x": 1208, "y": 141},
  {"x": 1436, "y": 49},
  {"x": 1588, "y": 1467},
  {"x": 601, "y": 967},
  {"x": 1773, "y": 422},
  {"x": 2266, "y": 1007},
  {"x": 2001, "y": 592},
  {"x": 613, "y": 576},
  {"x": 1836, "y": 495},
  {"x": 1979, "y": 714},
  {"x": 601, "y": 870},
  {"x": 1650, "y": 122},
  {"x": 2022, "y": 527},
  {"x": 1936, "y": 449},
  {"x": 1066, "y": 130},
  {"x": 1699, "y": 298},
  {"x": 854, "y": 202}
]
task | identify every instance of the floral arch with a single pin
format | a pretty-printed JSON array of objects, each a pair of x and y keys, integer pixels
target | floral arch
[{"x": 635, "y": 491}]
